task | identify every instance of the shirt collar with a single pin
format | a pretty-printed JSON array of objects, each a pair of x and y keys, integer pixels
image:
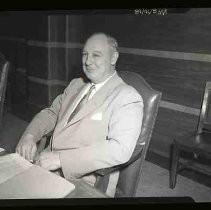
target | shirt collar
[{"x": 99, "y": 85}]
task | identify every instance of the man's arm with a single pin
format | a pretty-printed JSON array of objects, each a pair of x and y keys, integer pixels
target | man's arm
[{"x": 43, "y": 123}]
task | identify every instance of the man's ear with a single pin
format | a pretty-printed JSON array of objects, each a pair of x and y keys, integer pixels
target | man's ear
[{"x": 114, "y": 58}]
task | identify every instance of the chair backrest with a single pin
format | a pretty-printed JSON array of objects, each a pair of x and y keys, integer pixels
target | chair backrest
[
  {"x": 3, "y": 84},
  {"x": 130, "y": 175},
  {"x": 204, "y": 123}
]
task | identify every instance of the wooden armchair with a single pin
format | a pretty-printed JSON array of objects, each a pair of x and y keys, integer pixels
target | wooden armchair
[
  {"x": 130, "y": 172},
  {"x": 4, "y": 68},
  {"x": 197, "y": 143}
]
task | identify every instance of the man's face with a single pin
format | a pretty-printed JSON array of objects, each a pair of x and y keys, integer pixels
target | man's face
[{"x": 98, "y": 58}]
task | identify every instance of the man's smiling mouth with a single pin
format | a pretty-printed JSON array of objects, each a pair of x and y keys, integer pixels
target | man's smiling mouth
[{"x": 90, "y": 69}]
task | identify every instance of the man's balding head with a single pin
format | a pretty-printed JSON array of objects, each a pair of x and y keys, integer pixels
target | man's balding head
[
  {"x": 112, "y": 42},
  {"x": 99, "y": 57}
]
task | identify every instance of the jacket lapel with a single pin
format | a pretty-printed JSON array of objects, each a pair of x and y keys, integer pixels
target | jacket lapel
[
  {"x": 76, "y": 98},
  {"x": 97, "y": 99},
  {"x": 69, "y": 104}
]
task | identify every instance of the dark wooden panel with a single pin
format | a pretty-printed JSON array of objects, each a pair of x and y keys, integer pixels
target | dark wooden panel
[
  {"x": 17, "y": 91},
  {"x": 55, "y": 90},
  {"x": 75, "y": 28},
  {"x": 170, "y": 124},
  {"x": 188, "y": 32},
  {"x": 22, "y": 56},
  {"x": 181, "y": 82},
  {"x": 74, "y": 60},
  {"x": 38, "y": 94},
  {"x": 10, "y": 50},
  {"x": 24, "y": 25},
  {"x": 57, "y": 64},
  {"x": 16, "y": 54},
  {"x": 57, "y": 28},
  {"x": 38, "y": 62},
  {"x": 31, "y": 111},
  {"x": 42, "y": 95}
]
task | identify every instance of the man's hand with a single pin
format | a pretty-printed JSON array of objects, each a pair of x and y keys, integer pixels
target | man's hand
[
  {"x": 27, "y": 147},
  {"x": 49, "y": 160}
]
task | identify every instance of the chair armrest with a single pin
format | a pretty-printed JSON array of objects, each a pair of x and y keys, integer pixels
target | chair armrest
[{"x": 105, "y": 171}]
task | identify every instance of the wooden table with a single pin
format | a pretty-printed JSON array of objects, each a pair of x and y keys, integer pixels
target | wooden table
[{"x": 84, "y": 190}]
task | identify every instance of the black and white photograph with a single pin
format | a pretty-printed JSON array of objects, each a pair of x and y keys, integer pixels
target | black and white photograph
[{"x": 105, "y": 105}]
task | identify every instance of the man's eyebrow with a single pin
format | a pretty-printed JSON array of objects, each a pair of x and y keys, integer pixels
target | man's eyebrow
[{"x": 95, "y": 51}]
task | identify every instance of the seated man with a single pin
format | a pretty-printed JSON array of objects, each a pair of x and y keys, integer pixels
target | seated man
[{"x": 93, "y": 128}]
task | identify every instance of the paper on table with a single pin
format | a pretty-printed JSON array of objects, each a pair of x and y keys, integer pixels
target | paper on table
[
  {"x": 2, "y": 149},
  {"x": 11, "y": 165},
  {"x": 20, "y": 179}
]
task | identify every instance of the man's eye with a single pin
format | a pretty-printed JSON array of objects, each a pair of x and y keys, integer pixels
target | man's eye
[{"x": 96, "y": 55}]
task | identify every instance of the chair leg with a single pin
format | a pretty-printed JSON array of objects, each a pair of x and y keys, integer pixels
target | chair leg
[
  {"x": 102, "y": 183},
  {"x": 174, "y": 165}
]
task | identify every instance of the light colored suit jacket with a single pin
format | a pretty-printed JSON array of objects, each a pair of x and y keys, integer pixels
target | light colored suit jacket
[{"x": 102, "y": 134}]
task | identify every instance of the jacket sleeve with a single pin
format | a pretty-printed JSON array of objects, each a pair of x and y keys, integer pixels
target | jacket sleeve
[
  {"x": 45, "y": 121},
  {"x": 124, "y": 130}
]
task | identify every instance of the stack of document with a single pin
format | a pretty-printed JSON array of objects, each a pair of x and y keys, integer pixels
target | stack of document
[
  {"x": 1, "y": 149},
  {"x": 20, "y": 179}
]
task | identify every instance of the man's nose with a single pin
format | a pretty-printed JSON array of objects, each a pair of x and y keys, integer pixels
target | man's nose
[{"x": 88, "y": 60}]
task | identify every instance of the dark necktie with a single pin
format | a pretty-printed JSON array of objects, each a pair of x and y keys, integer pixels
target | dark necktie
[{"x": 81, "y": 103}]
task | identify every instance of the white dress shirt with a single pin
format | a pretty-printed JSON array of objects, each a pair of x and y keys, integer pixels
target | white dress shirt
[{"x": 98, "y": 86}]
